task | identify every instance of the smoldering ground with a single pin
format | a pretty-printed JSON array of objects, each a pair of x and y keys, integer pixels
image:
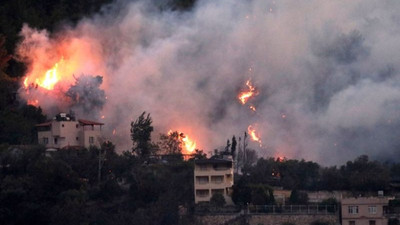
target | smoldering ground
[{"x": 330, "y": 67}]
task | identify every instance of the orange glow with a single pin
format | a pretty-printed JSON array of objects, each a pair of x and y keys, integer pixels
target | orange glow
[
  {"x": 53, "y": 65},
  {"x": 188, "y": 145},
  {"x": 253, "y": 108},
  {"x": 244, "y": 96},
  {"x": 254, "y": 134},
  {"x": 33, "y": 102},
  {"x": 49, "y": 78},
  {"x": 114, "y": 132},
  {"x": 280, "y": 159}
]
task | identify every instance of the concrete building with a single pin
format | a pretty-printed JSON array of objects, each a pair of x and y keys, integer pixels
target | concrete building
[
  {"x": 213, "y": 176},
  {"x": 65, "y": 131},
  {"x": 364, "y": 210}
]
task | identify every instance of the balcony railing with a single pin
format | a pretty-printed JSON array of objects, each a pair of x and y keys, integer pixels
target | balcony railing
[{"x": 293, "y": 209}]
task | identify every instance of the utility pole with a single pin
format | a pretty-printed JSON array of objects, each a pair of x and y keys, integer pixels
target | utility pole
[
  {"x": 244, "y": 148},
  {"x": 100, "y": 166}
]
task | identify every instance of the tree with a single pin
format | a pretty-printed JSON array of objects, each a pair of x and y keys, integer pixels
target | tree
[
  {"x": 298, "y": 197},
  {"x": 262, "y": 195},
  {"x": 217, "y": 200},
  {"x": 141, "y": 135},
  {"x": 233, "y": 147},
  {"x": 171, "y": 143}
]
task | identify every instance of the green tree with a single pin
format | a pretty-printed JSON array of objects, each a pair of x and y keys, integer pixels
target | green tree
[
  {"x": 217, "y": 200},
  {"x": 262, "y": 195},
  {"x": 298, "y": 197},
  {"x": 141, "y": 135},
  {"x": 233, "y": 147}
]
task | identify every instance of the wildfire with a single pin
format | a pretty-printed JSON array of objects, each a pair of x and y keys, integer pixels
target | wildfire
[
  {"x": 244, "y": 96},
  {"x": 188, "y": 144},
  {"x": 254, "y": 134},
  {"x": 47, "y": 79}
]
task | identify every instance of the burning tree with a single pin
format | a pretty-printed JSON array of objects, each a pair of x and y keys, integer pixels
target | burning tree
[{"x": 171, "y": 143}]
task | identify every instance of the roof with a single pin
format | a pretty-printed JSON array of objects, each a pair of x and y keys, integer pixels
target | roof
[
  {"x": 46, "y": 124},
  {"x": 213, "y": 161},
  {"x": 88, "y": 122}
]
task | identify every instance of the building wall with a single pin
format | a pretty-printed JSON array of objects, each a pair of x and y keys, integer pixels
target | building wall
[
  {"x": 91, "y": 138},
  {"x": 208, "y": 180},
  {"x": 70, "y": 133},
  {"x": 364, "y": 211}
]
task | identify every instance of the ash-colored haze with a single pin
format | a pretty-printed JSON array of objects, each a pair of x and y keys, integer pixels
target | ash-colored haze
[{"x": 327, "y": 73}]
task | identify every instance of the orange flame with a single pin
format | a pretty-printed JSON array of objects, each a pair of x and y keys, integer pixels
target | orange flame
[
  {"x": 47, "y": 79},
  {"x": 34, "y": 102},
  {"x": 244, "y": 96},
  {"x": 188, "y": 144},
  {"x": 254, "y": 135}
]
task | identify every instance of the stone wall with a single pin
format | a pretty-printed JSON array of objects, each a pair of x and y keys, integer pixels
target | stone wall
[
  {"x": 214, "y": 219},
  {"x": 279, "y": 219},
  {"x": 264, "y": 219}
]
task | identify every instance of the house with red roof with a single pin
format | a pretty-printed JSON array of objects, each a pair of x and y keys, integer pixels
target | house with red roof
[{"x": 65, "y": 131}]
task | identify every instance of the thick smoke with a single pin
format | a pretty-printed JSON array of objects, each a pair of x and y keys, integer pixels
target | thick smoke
[
  {"x": 327, "y": 73},
  {"x": 87, "y": 98}
]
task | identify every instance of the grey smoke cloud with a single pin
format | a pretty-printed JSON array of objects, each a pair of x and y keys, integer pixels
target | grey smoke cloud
[{"x": 327, "y": 73}]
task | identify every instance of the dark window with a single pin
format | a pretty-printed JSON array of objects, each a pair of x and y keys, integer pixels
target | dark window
[
  {"x": 372, "y": 222},
  {"x": 91, "y": 140},
  {"x": 77, "y": 126},
  {"x": 55, "y": 140},
  {"x": 62, "y": 125},
  {"x": 77, "y": 138},
  {"x": 352, "y": 222},
  {"x": 45, "y": 140}
]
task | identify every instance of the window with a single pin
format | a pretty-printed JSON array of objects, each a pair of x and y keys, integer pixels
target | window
[
  {"x": 372, "y": 222},
  {"x": 62, "y": 125},
  {"x": 352, "y": 222},
  {"x": 45, "y": 140},
  {"x": 55, "y": 140},
  {"x": 217, "y": 191},
  {"x": 77, "y": 126},
  {"x": 77, "y": 138},
  {"x": 217, "y": 179},
  {"x": 203, "y": 167},
  {"x": 372, "y": 209},
  {"x": 220, "y": 167},
  {"x": 202, "y": 180},
  {"x": 353, "y": 209},
  {"x": 202, "y": 193},
  {"x": 91, "y": 140}
]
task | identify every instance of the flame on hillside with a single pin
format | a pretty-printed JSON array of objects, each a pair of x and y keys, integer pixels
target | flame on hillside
[
  {"x": 254, "y": 135},
  {"x": 47, "y": 78},
  {"x": 54, "y": 64},
  {"x": 244, "y": 96}
]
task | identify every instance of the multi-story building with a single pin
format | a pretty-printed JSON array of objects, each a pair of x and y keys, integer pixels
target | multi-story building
[
  {"x": 364, "y": 210},
  {"x": 65, "y": 131},
  {"x": 213, "y": 176}
]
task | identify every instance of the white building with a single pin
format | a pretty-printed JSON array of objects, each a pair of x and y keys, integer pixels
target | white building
[
  {"x": 213, "y": 176},
  {"x": 364, "y": 210},
  {"x": 64, "y": 131}
]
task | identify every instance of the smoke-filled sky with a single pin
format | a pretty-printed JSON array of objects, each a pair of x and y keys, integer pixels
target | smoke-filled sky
[{"x": 327, "y": 73}]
